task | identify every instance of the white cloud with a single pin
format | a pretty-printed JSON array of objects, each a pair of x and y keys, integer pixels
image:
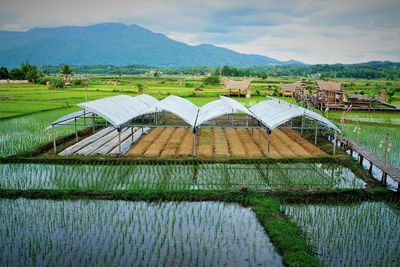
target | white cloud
[{"x": 312, "y": 31}]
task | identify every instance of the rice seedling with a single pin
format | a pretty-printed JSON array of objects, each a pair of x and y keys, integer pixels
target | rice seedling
[
  {"x": 189, "y": 176},
  {"x": 119, "y": 233},
  {"x": 365, "y": 234},
  {"x": 25, "y": 133},
  {"x": 371, "y": 136}
]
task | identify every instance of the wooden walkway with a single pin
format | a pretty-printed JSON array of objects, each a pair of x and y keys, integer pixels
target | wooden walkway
[
  {"x": 364, "y": 153},
  {"x": 106, "y": 141}
]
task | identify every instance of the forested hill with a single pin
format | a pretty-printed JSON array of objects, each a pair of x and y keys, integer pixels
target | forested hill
[{"x": 115, "y": 44}]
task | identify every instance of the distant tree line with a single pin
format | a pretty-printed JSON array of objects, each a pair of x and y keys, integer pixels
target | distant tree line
[
  {"x": 370, "y": 70},
  {"x": 26, "y": 71}
]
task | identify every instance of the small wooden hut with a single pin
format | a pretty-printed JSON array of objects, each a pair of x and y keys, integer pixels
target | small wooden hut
[
  {"x": 289, "y": 89},
  {"x": 329, "y": 94},
  {"x": 237, "y": 88}
]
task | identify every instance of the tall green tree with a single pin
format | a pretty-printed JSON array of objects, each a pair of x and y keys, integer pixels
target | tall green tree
[
  {"x": 66, "y": 70},
  {"x": 31, "y": 72},
  {"x": 17, "y": 74},
  {"x": 4, "y": 73}
]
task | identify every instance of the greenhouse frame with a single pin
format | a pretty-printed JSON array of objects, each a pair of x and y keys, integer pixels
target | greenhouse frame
[{"x": 144, "y": 111}]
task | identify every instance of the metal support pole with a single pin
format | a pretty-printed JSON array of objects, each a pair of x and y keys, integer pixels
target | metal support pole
[
  {"x": 84, "y": 117},
  {"x": 194, "y": 144},
  {"x": 259, "y": 136},
  {"x": 132, "y": 133},
  {"x": 302, "y": 123},
  {"x": 54, "y": 139},
  {"x": 93, "y": 122},
  {"x": 119, "y": 141},
  {"x": 316, "y": 132},
  {"x": 76, "y": 132},
  {"x": 269, "y": 143},
  {"x": 334, "y": 144}
]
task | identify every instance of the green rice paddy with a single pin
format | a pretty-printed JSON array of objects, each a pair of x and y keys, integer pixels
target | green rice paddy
[
  {"x": 217, "y": 176},
  {"x": 365, "y": 234}
]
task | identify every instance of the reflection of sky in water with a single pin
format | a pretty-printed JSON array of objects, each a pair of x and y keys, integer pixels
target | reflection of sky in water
[
  {"x": 124, "y": 233},
  {"x": 376, "y": 172}
]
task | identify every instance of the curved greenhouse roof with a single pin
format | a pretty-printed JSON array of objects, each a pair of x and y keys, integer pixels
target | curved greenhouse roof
[
  {"x": 119, "y": 110},
  {"x": 275, "y": 112}
]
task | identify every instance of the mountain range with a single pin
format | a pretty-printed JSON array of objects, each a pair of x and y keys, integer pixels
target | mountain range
[{"x": 116, "y": 44}]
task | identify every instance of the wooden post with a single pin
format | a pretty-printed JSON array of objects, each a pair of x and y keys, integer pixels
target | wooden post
[
  {"x": 269, "y": 143},
  {"x": 386, "y": 146},
  {"x": 259, "y": 136},
  {"x": 370, "y": 168},
  {"x": 54, "y": 139},
  {"x": 132, "y": 134}
]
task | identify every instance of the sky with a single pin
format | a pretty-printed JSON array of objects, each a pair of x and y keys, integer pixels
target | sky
[{"x": 312, "y": 31}]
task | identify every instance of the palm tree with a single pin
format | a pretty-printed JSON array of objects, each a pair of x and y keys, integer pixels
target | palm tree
[
  {"x": 141, "y": 87},
  {"x": 66, "y": 70}
]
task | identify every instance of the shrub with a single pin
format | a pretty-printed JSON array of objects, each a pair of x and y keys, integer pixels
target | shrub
[
  {"x": 56, "y": 83},
  {"x": 78, "y": 83},
  {"x": 212, "y": 80},
  {"x": 189, "y": 84}
]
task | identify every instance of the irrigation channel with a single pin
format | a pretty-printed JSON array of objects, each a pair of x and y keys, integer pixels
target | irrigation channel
[
  {"x": 188, "y": 175},
  {"x": 123, "y": 233}
]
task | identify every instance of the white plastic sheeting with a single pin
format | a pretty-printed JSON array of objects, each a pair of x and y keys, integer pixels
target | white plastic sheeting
[
  {"x": 120, "y": 109},
  {"x": 68, "y": 118},
  {"x": 193, "y": 115},
  {"x": 275, "y": 112},
  {"x": 179, "y": 106},
  {"x": 235, "y": 105},
  {"x": 213, "y": 110}
]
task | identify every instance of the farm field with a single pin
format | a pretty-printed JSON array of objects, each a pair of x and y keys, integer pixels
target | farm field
[
  {"x": 185, "y": 176},
  {"x": 371, "y": 136},
  {"x": 363, "y": 234},
  {"x": 217, "y": 142},
  {"x": 137, "y": 234},
  {"x": 27, "y": 132},
  {"x": 160, "y": 206}
]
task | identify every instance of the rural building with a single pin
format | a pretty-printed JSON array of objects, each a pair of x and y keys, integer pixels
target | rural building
[
  {"x": 237, "y": 88},
  {"x": 329, "y": 94},
  {"x": 289, "y": 89}
]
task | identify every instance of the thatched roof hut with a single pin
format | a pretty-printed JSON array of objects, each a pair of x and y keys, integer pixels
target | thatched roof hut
[
  {"x": 237, "y": 88},
  {"x": 288, "y": 89},
  {"x": 328, "y": 85}
]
